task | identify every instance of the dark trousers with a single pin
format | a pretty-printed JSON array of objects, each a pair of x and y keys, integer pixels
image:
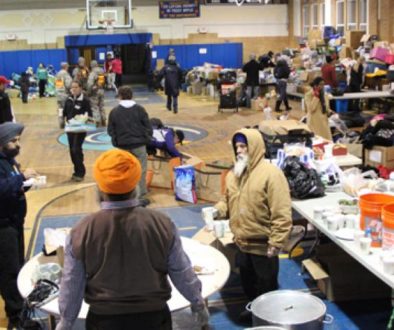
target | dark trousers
[
  {"x": 160, "y": 320},
  {"x": 24, "y": 96},
  {"x": 354, "y": 104},
  {"x": 118, "y": 80},
  {"x": 282, "y": 85},
  {"x": 75, "y": 141},
  {"x": 172, "y": 101},
  {"x": 259, "y": 274},
  {"x": 41, "y": 87},
  {"x": 11, "y": 261}
]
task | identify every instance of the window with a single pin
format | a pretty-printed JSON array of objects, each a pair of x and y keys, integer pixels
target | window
[
  {"x": 306, "y": 20},
  {"x": 362, "y": 15},
  {"x": 315, "y": 16},
  {"x": 351, "y": 15},
  {"x": 341, "y": 17},
  {"x": 322, "y": 15}
]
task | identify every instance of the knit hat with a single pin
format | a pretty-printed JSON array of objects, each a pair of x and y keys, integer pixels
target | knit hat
[
  {"x": 240, "y": 138},
  {"x": 4, "y": 80},
  {"x": 117, "y": 172},
  {"x": 8, "y": 131}
]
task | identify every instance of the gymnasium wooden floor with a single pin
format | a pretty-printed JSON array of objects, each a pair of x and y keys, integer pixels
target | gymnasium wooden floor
[{"x": 41, "y": 151}]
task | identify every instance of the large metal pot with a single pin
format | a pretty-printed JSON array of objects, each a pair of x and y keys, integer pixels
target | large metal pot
[{"x": 290, "y": 310}]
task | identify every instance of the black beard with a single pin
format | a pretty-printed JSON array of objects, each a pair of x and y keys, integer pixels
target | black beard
[{"x": 11, "y": 153}]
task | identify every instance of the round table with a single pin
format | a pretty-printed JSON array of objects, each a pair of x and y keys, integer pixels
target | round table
[{"x": 199, "y": 254}]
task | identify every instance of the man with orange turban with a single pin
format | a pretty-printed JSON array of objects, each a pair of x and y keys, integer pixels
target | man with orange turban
[{"x": 118, "y": 258}]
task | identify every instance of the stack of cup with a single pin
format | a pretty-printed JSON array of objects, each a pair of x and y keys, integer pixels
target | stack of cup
[{"x": 207, "y": 215}]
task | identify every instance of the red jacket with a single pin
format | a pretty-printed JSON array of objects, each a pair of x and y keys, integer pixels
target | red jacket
[
  {"x": 329, "y": 76},
  {"x": 117, "y": 66}
]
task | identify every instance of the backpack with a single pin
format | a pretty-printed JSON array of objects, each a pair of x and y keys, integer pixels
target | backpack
[
  {"x": 100, "y": 81},
  {"x": 59, "y": 83}
]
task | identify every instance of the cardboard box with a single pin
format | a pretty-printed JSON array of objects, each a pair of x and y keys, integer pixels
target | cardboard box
[
  {"x": 224, "y": 244},
  {"x": 258, "y": 104},
  {"x": 342, "y": 278},
  {"x": 353, "y": 38},
  {"x": 380, "y": 156},
  {"x": 346, "y": 52}
]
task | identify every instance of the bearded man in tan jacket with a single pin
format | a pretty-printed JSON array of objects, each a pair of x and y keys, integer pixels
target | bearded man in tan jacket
[{"x": 257, "y": 202}]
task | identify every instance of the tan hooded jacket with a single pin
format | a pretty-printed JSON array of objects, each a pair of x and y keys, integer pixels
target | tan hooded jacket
[
  {"x": 316, "y": 119},
  {"x": 258, "y": 203}
]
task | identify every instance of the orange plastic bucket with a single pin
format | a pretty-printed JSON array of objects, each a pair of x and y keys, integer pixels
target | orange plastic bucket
[
  {"x": 388, "y": 226},
  {"x": 371, "y": 214}
]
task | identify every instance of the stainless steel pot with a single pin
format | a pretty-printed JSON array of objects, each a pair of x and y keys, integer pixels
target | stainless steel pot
[{"x": 289, "y": 309}]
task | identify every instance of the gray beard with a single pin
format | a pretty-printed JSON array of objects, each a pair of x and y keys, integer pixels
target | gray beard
[{"x": 240, "y": 165}]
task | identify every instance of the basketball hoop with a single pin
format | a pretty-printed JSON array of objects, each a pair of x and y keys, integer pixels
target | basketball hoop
[
  {"x": 108, "y": 25},
  {"x": 239, "y": 3}
]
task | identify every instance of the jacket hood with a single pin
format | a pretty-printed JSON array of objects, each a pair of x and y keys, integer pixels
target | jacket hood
[{"x": 256, "y": 145}]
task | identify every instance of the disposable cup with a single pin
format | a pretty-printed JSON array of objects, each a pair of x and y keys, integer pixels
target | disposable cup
[{"x": 365, "y": 245}]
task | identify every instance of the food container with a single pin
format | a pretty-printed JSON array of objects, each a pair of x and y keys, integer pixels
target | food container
[{"x": 289, "y": 309}]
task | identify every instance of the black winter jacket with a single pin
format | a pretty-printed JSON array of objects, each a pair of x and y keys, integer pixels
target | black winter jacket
[
  {"x": 252, "y": 69},
  {"x": 12, "y": 193},
  {"x": 77, "y": 106},
  {"x": 282, "y": 70},
  {"x": 5, "y": 108},
  {"x": 129, "y": 128}
]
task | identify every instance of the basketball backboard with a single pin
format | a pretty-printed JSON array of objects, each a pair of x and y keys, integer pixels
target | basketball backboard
[{"x": 104, "y": 13}]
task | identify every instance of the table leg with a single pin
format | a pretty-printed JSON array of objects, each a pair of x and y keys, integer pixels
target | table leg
[{"x": 51, "y": 322}]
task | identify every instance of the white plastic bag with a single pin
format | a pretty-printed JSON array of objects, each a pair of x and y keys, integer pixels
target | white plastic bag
[{"x": 185, "y": 185}]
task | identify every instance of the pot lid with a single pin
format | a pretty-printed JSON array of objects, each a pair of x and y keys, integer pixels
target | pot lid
[{"x": 288, "y": 307}]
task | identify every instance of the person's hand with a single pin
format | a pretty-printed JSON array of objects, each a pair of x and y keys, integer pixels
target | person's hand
[
  {"x": 29, "y": 173},
  {"x": 272, "y": 251},
  {"x": 200, "y": 314}
]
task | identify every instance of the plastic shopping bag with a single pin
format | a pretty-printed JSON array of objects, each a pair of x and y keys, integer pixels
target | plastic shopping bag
[{"x": 185, "y": 185}]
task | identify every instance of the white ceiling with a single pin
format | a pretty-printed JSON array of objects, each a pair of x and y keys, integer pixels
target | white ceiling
[{"x": 51, "y": 4}]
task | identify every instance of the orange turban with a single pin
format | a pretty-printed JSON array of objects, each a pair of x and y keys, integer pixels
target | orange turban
[{"x": 117, "y": 172}]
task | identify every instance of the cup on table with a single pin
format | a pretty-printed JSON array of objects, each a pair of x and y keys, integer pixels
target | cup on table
[
  {"x": 388, "y": 264},
  {"x": 332, "y": 223},
  {"x": 365, "y": 245},
  {"x": 318, "y": 213},
  {"x": 328, "y": 150},
  {"x": 358, "y": 234},
  {"x": 326, "y": 215},
  {"x": 207, "y": 215},
  {"x": 219, "y": 229}
]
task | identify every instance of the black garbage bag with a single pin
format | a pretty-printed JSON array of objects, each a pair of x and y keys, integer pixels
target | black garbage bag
[{"x": 304, "y": 182}]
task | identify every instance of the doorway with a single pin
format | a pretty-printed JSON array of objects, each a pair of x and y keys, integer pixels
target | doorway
[{"x": 134, "y": 63}]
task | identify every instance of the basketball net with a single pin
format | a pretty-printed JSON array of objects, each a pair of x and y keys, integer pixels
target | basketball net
[
  {"x": 241, "y": 2},
  {"x": 107, "y": 24}
]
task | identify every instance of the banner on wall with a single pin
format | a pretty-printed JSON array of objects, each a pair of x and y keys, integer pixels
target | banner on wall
[{"x": 179, "y": 9}]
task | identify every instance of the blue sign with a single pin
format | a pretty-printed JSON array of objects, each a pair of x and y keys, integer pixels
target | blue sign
[{"x": 179, "y": 9}]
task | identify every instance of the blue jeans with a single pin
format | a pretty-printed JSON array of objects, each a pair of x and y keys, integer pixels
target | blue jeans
[
  {"x": 251, "y": 91},
  {"x": 142, "y": 156}
]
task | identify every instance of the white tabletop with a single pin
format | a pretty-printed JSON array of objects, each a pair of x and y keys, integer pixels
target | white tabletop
[
  {"x": 365, "y": 94},
  {"x": 370, "y": 94},
  {"x": 347, "y": 160},
  {"x": 330, "y": 201},
  {"x": 199, "y": 254}
]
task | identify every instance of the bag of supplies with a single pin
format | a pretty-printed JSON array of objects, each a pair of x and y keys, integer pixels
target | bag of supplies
[{"x": 185, "y": 185}]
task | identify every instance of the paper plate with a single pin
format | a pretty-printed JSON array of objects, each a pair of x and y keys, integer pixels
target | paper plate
[{"x": 345, "y": 234}]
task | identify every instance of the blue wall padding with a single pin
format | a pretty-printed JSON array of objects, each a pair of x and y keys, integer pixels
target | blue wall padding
[
  {"x": 107, "y": 39},
  {"x": 228, "y": 55},
  {"x": 18, "y": 61}
]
